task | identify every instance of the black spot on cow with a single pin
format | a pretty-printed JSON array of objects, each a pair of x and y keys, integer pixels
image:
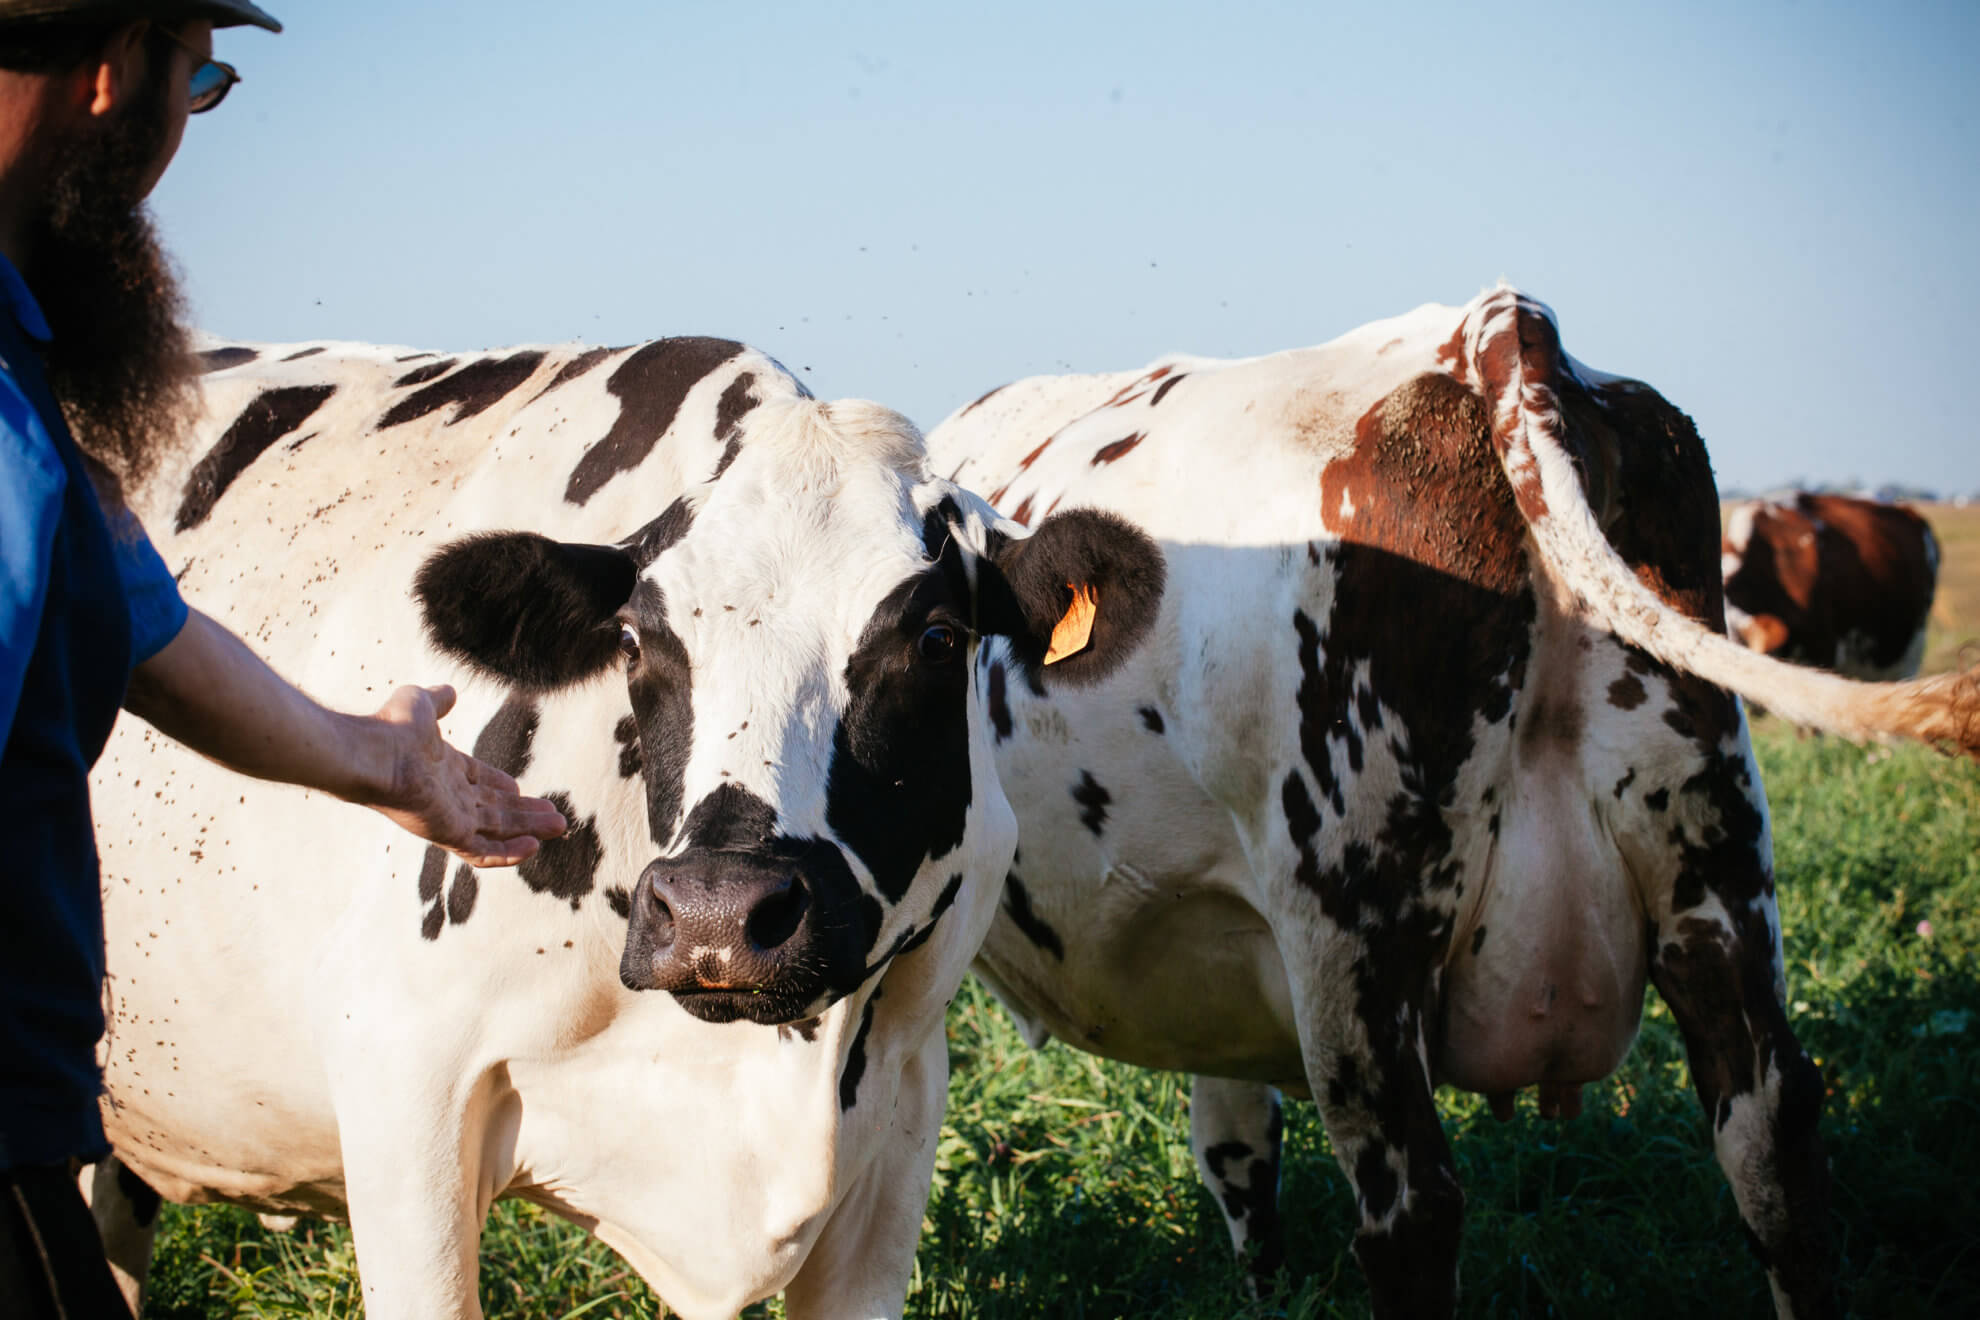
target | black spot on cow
[
  {"x": 899, "y": 789},
  {"x": 566, "y": 867},
  {"x": 219, "y": 359},
  {"x": 475, "y": 388},
  {"x": 144, "y": 1202},
  {"x": 1627, "y": 693},
  {"x": 999, "y": 702},
  {"x": 855, "y": 1061},
  {"x": 433, "y": 922},
  {"x": 650, "y": 385},
  {"x": 660, "y": 683},
  {"x": 914, "y": 938},
  {"x": 413, "y": 357},
  {"x": 730, "y": 409},
  {"x": 1017, "y": 902},
  {"x": 432, "y": 873},
  {"x": 626, "y": 734},
  {"x": 1151, "y": 719},
  {"x": 1166, "y": 386},
  {"x": 1477, "y": 940},
  {"x": 1657, "y": 800},
  {"x": 620, "y": 901},
  {"x": 571, "y": 370},
  {"x": 272, "y": 415},
  {"x": 426, "y": 371},
  {"x": 300, "y": 354},
  {"x": 1375, "y": 1181},
  {"x": 661, "y": 535},
  {"x": 460, "y": 899},
  {"x": 1624, "y": 783},
  {"x": 1092, "y": 799},
  {"x": 504, "y": 742}
]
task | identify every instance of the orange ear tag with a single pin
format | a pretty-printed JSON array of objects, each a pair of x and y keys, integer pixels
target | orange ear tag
[{"x": 1075, "y": 630}]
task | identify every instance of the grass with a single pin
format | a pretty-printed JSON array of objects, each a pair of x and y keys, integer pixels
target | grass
[{"x": 1065, "y": 1185}]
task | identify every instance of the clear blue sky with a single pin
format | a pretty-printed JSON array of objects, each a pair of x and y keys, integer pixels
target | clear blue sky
[{"x": 1770, "y": 211}]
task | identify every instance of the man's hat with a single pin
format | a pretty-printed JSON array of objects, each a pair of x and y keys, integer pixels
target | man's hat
[{"x": 223, "y": 13}]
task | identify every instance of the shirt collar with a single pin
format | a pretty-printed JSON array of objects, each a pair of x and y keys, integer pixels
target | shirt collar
[{"x": 27, "y": 312}]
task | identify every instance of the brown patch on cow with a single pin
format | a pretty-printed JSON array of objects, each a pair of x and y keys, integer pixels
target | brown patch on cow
[
  {"x": 1165, "y": 387},
  {"x": 1022, "y": 514},
  {"x": 1627, "y": 693},
  {"x": 1662, "y": 516},
  {"x": 1118, "y": 449},
  {"x": 980, "y": 400},
  {"x": 1024, "y": 465},
  {"x": 1450, "y": 354}
]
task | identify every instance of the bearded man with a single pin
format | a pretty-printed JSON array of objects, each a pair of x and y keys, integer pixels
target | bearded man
[{"x": 95, "y": 379}]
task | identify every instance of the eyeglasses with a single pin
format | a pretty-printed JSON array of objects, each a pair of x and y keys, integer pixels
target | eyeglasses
[{"x": 211, "y": 79}]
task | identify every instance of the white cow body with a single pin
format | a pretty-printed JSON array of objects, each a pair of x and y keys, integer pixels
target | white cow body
[{"x": 308, "y": 1011}]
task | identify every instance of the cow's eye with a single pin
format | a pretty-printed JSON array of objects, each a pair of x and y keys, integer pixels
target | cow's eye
[
  {"x": 938, "y": 643},
  {"x": 628, "y": 642}
]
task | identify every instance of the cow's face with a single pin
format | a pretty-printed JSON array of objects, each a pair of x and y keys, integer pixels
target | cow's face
[{"x": 796, "y": 644}]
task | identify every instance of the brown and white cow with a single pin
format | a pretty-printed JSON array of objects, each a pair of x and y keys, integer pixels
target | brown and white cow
[
  {"x": 1831, "y": 581},
  {"x": 1430, "y": 761}
]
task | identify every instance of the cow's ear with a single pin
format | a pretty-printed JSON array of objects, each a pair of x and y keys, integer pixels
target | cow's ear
[
  {"x": 537, "y": 613},
  {"x": 1075, "y": 597}
]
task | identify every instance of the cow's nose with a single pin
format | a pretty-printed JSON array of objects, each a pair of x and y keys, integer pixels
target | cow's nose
[
  {"x": 777, "y": 912},
  {"x": 660, "y": 924}
]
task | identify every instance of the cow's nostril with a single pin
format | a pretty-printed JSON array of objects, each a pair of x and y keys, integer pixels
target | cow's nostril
[
  {"x": 777, "y": 915},
  {"x": 660, "y": 926}
]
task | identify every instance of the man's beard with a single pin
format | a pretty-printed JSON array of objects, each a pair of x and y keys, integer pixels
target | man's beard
[{"x": 120, "y": 362}]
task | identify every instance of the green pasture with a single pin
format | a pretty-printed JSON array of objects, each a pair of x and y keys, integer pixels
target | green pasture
[{"x": 1065, "y": 1186}]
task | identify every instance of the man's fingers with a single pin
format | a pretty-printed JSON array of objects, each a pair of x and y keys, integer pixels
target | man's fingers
[
  {"x": 442, "y": 697},
  {"x": 501, "y": 852},
  {"x": 488, "y": 777}
]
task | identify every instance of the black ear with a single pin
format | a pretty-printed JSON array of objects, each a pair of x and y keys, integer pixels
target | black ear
[
  {"x": 528, "y": 610},
  {"x": 1075, "y": 597}
]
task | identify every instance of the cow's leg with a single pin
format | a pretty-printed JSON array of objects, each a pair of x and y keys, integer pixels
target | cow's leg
[
  {"x": 1718, "y": 966},
  {"x": 126, "y": 1213},
  {"x": 1235, "y": 1130},
  {"x": 1363, "y": 1040},
  {"x": 416, "y": 1187},
  {"x": 860, "y": 1264}
]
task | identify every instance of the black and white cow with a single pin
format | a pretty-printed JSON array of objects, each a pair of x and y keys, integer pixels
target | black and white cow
[
  {"x": 1429, "y": 762},
  {"x": 733, "y": 645}
]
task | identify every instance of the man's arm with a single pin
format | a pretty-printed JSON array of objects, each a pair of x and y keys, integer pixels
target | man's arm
[{"x": 208, "y": 691}]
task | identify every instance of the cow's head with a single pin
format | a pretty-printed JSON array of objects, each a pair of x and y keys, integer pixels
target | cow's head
[{"x": 796, "y": 639}]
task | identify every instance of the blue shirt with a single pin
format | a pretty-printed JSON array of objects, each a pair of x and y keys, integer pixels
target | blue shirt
[{"x": 84, "y": 599}]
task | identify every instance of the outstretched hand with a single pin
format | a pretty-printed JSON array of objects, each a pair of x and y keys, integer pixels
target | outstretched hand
[{"x": 447, "y": 797}]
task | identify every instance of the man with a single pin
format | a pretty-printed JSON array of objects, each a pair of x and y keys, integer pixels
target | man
[{"x": 94, "y": 96}]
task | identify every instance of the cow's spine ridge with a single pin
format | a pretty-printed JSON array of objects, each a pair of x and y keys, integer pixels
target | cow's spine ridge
[{"x": 1514, "y": 351}]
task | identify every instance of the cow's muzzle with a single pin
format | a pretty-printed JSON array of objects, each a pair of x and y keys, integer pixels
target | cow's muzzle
[{"x": 737, "y": 935}]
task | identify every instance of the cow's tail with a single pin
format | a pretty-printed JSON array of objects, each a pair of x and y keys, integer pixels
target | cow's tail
[{"x": 1513, "y": 347}]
